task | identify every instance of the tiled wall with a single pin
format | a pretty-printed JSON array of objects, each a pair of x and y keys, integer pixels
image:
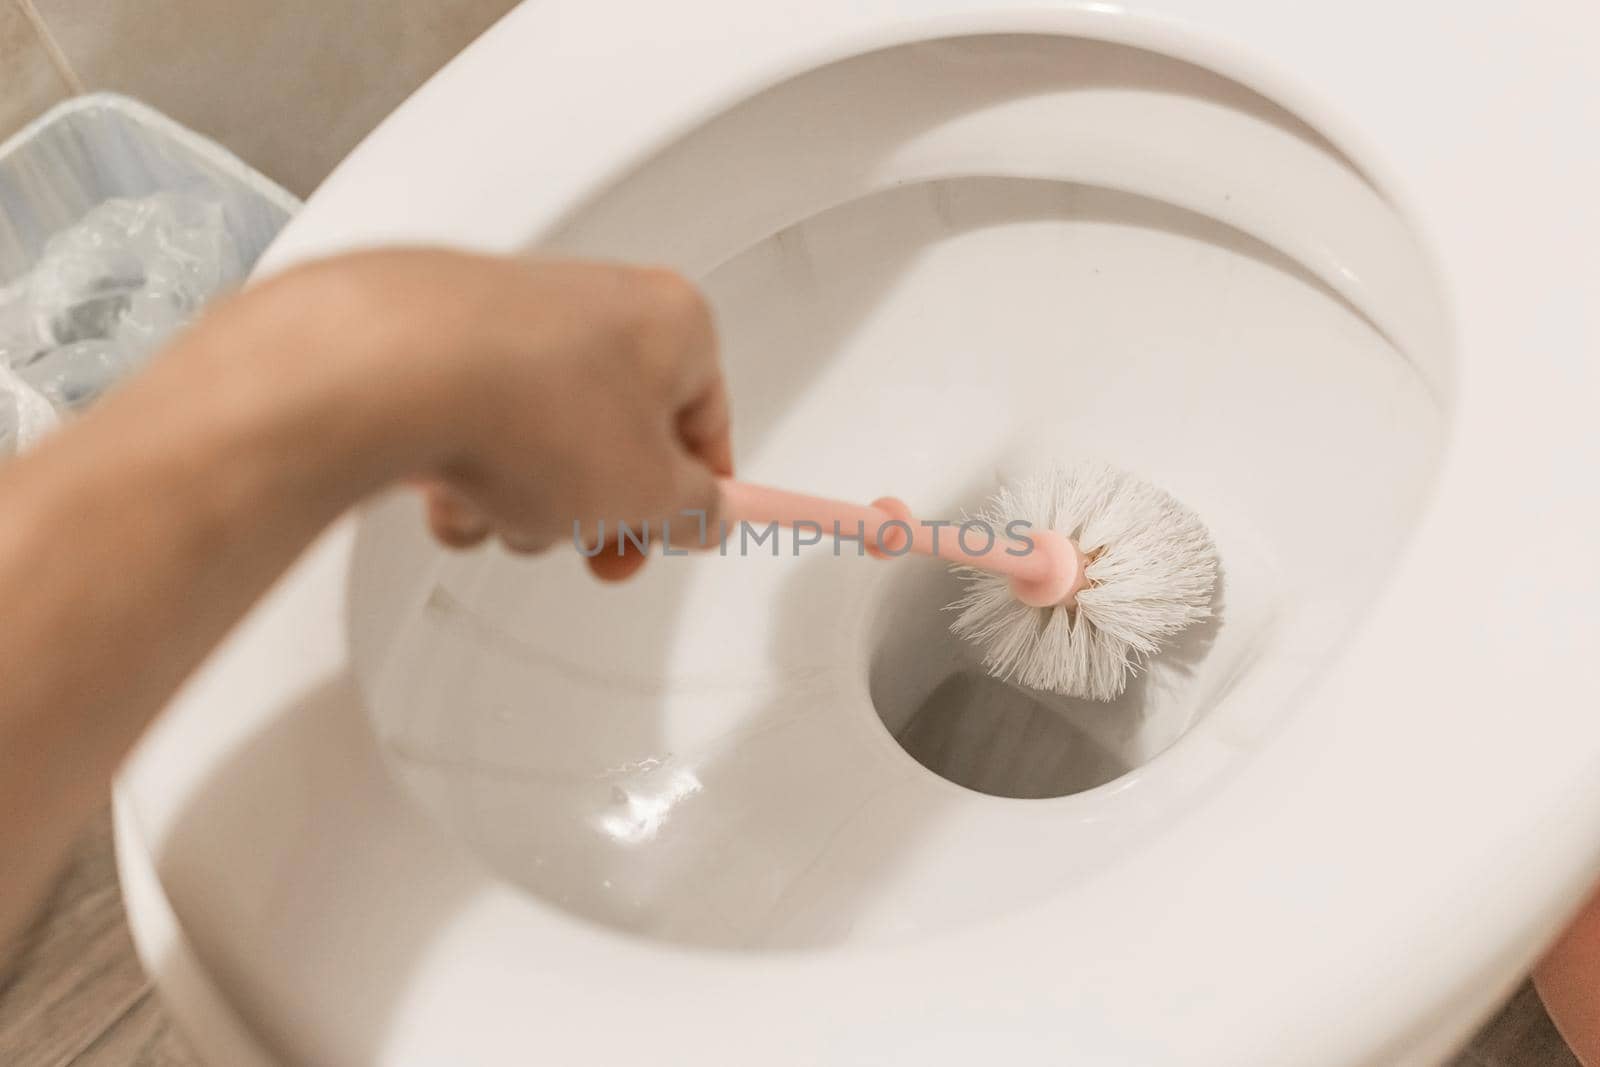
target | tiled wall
[{"x": 290, "y": 85}]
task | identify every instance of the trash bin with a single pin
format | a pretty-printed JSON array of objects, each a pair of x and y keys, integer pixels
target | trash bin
[{"x": 65, "y": 168}]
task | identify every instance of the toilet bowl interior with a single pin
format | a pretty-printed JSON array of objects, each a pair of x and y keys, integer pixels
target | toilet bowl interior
[{"x": 933, "y": 266}]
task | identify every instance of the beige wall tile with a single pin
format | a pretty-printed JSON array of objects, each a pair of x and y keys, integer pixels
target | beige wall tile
[
  {"x": 290, "y": 85},
  {"x": 28, "y": 81}
]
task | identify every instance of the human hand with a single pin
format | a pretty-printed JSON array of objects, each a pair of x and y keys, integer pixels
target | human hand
[{"x": 525, "y": 396}]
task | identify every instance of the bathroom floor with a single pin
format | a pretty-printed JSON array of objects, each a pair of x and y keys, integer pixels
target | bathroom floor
[
  {"x": 78, "y": 995},
  {"x": 79, "y": 999}
]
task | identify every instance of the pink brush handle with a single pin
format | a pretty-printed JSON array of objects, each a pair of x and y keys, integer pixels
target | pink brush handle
[{"x": 1045, "y": 570}]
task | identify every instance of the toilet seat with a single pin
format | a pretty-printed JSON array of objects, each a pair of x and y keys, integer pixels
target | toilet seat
[{"x": 1276, "y": 863}]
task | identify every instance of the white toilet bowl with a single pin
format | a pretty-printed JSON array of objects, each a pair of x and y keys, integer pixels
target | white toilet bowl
[{"x": 429, "y": 808}]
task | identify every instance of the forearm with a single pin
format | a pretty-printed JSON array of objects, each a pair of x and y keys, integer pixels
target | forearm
[
  {"x": 527, "y": 394},
  {"x": 131, "y": 542},
  {"x": 1569, "y": 983}
]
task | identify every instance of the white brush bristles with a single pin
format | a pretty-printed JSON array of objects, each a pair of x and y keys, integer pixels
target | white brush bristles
[{"x": 1151, "y": 574}]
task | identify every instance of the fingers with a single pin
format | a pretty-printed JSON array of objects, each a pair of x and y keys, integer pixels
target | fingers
[
  {"x": 523, "y": 543},
  {"x": 700, "y": 505},
  {"x": 694, "y": 525},
  {"x": 611, "y": 566},
  {"x": 454, "y": 521}
]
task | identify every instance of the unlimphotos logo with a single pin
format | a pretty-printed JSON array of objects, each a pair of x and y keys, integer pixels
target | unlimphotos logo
[{"x": 891, "y": 538}]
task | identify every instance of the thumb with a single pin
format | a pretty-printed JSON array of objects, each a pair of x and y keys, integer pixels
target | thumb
[
  {"x": 693, "y": 524},
  {"x": 699, "y": 496}
]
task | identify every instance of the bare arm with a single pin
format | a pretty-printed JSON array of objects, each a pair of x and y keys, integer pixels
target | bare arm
[
  {"x": 525, "y": 396},
  {"x": 1569, "y": 983}
]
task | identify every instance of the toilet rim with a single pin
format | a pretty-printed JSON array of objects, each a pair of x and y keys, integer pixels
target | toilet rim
[{"x": 1277, "y": 865}]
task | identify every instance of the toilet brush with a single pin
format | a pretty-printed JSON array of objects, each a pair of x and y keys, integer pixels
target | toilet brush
[{"x": 1074, "y": 575}]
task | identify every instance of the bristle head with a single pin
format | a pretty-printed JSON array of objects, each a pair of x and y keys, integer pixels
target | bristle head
[{"x": 1152, "y": 572}]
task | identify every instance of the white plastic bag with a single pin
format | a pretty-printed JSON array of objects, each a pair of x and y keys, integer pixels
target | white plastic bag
[{"x": 25, "y": 415}]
